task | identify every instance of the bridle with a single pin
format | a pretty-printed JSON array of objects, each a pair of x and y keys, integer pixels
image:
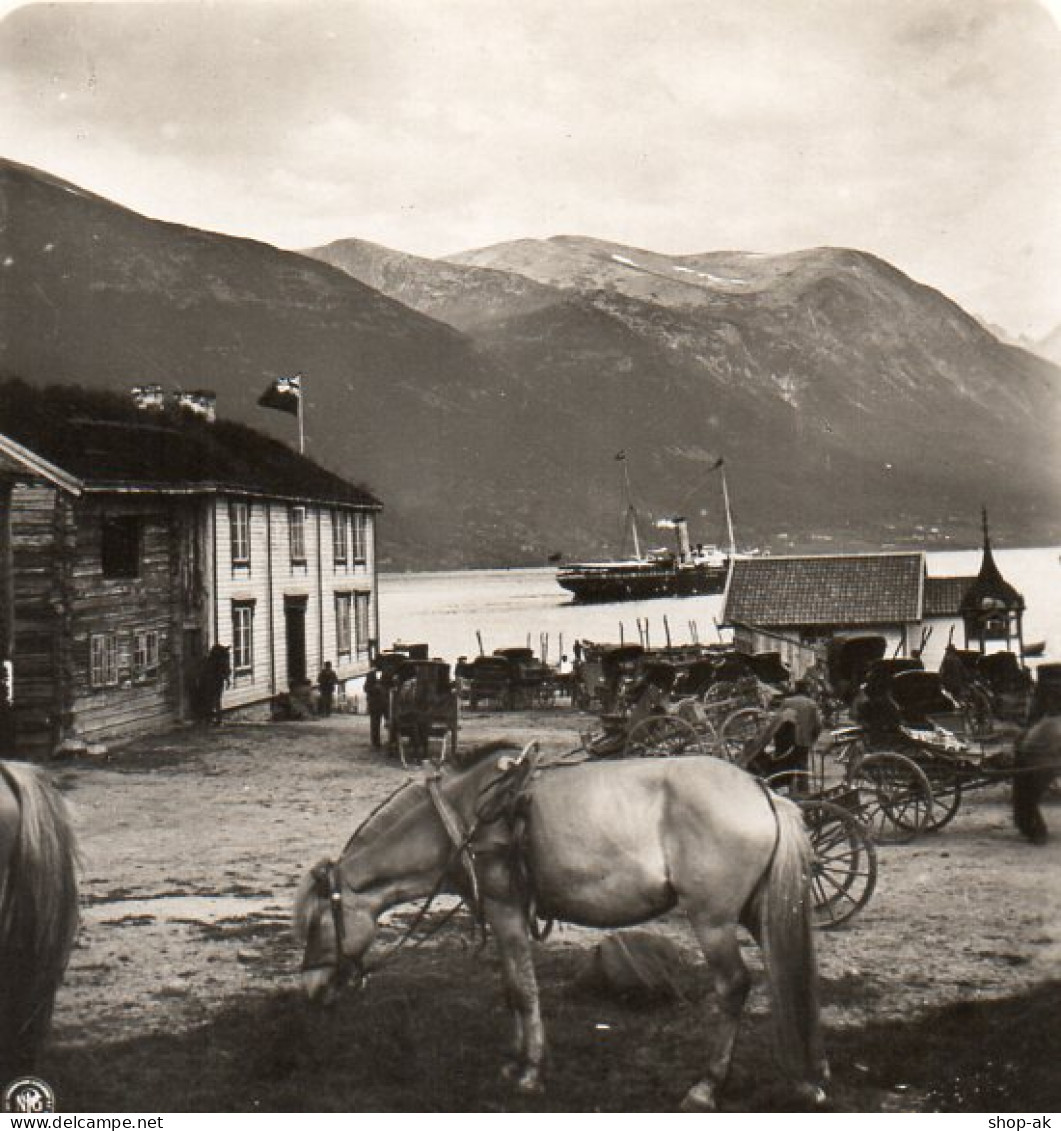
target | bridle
[{"x": 328, "y": 884}]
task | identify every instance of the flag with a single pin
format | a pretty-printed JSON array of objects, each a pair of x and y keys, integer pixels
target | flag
[
  {"x": 717, "y": 464},
  {"x": 621, "y": 455},
  {"x": 284, "y": 394}
]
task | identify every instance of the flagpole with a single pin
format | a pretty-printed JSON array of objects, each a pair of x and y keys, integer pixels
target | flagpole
[{"x": 301, "y": 432}]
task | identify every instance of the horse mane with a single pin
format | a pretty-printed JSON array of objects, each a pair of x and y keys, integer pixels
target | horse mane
[
  {"x": 386, "y": 814},
  {"x": 479, "y": 754},
  {"x": 306, "y": 904},
  {"x": 410, "y": 794},
  {"x": 389, "y": 812},
  {"x": 38, "y": 911}
]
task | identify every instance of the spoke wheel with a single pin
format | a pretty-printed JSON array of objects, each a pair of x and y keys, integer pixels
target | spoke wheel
[
  {"x": 662, "y": 736},
  {"x": 946, "y": 784},
  {"x": 895, "y": 796},
  {"x": 737, "y": 735},
  {"x": 844, "y": 868}
]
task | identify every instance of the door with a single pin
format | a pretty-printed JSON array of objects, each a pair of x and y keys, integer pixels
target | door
[{"x": 295, "y": 630}]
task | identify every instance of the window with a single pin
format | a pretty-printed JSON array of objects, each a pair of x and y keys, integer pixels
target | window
[
  {"x": 343, "y": 623},
  {"x": 239, "y": 521},
  {"x": 120, "y": 546},
  {"x": 145, "y": 654},
  {"x": 297, "y": 526},
  {"x": 360, "y": 537},
  {"x": 362, "y": 623},
  {"x": 103, "y": 668},
  {"x": 243, "y": 637},
  {"x": 340, "y": 536}
]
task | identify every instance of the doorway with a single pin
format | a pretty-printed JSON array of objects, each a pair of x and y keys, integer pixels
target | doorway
[{"x": 295, "y": 632}]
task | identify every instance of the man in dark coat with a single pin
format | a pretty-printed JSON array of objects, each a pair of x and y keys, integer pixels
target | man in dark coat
[
  {"x": 327, "y": 681},
  {"x": 216, "y": 675},
  {"x": 376, "y": 696}
]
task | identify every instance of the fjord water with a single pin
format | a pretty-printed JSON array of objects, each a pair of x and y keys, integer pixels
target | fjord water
[{"x": 516, "y": 607}]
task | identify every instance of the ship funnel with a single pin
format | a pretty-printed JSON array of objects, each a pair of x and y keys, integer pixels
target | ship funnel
[{"x": 681, "y": 532}]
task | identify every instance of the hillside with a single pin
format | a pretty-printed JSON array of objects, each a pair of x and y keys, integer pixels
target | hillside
[
  {"x": 98, "y": 295},
  {"x": 483, "y": 398},
  {"x": 851, "y": 402}
]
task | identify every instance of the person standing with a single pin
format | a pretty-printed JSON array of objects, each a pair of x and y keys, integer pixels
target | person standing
[
  {"x": 376, "y": 696},
  {"x": 216, "y": 676},
  {"x": 327, "y": 681}
]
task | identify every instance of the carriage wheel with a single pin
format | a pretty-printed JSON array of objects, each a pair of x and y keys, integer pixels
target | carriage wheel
[
  {"x": 895, "y": 795},
  {"x": 738, "y": 733},
  {"x": 662, "y": 736},
  {"x": 800, "y": 785},
  {"x": 946, "y": 783},
  {"x": 844, "y": 868}
]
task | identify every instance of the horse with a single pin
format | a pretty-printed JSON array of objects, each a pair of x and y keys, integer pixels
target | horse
[
  {"x": 215, "y": 674},
  {"x": 597, "y": 844},
  {"x": 38, "y": 910},
  {"x": 1037, "y": 763}
]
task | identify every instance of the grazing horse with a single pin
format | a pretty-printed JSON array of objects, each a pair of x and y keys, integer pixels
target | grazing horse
[
  {"x": 598, "y": 844},
  {"x": 38, "y": 910},
  {"x": 1038, "y": 762}
]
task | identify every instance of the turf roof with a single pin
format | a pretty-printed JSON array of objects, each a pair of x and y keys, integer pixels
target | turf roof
[{"x": 106, "y": 441}]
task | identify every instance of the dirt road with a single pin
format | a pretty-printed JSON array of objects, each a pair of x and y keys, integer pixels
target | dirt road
[{"x": 181, "y": 992}]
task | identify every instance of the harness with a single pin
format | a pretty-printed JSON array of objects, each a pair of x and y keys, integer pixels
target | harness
[{"x": 505, "y": 798}]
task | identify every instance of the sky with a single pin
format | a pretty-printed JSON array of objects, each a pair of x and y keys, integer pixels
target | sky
[{"x": 924, "y": 131}]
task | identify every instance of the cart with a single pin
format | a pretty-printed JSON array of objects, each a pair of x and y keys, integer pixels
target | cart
[{"x": 424, "y": 708}]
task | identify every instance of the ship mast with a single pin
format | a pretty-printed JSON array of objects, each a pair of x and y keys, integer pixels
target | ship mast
[
  {"x": 729, "y": 515},
  {"x": 631, "y": 512}
]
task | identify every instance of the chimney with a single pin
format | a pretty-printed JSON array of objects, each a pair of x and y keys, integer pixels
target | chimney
[
  {"x": 681, "y": 532},
  {"x": 203, "y": 402},
  {"x": 148, "y": 397}
]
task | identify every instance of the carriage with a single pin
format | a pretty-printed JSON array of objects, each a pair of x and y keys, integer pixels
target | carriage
[
  {"x": 532, "y": 683},
  {"x": 848, "y": 660},
  {"x": 423, "y": 708},
  {"x": 958, "y": 743}
]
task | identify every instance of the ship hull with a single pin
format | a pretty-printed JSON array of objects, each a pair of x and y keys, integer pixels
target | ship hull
[{"x": 602, "y": 584}]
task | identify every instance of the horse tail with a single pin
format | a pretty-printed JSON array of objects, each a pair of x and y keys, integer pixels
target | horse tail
[
  {"x": 38, "y": 911},
  {"x": 786, "y": 933},
  {"x": 1029, "y": 784}
]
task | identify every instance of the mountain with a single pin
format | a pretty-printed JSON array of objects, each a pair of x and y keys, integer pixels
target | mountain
[
  {"x": 97, "y": 295},
  {"x": 851, "y": 403},
  {"x": 1050, "y": 346},
  {"x": 483, "y": 397}
]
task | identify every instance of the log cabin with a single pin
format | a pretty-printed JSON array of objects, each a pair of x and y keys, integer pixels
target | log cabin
[{"x": 132, "y": 541}]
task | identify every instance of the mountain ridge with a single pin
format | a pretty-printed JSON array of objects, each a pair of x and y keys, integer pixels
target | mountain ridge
[{"x": 485, "y": 406}]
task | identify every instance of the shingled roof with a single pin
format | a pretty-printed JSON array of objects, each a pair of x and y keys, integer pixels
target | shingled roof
[
  {"x": 108, "y": 444},
  {"x": 943, "y": 595},
  {"x": 852, "y": 590}
]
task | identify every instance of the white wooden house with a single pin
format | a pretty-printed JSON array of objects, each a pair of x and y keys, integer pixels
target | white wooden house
[{"x": 131, "y": 542}]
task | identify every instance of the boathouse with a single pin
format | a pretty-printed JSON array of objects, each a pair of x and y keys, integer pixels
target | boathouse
[
  {"x": 793, "y": 604},
  {"x": 132, "y": 541}
]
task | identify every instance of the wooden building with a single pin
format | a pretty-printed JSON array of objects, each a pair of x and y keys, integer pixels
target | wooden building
[
  {"x": 793, "y": 604},
  {"x": 132, "y": 541}
]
